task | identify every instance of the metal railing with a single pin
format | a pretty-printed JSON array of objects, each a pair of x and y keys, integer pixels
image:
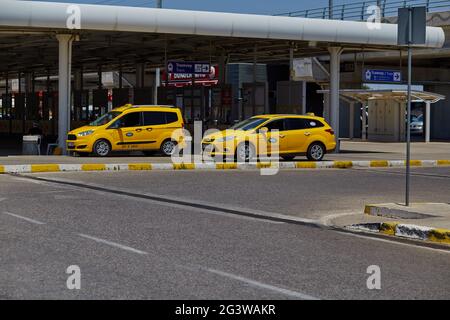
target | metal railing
[{"x": 358, "y": 10}]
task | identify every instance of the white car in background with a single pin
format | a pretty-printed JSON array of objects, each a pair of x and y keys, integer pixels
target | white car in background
[{"x": 416, "y": 124}]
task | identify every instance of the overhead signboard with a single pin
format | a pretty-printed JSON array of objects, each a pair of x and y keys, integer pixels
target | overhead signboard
[
  {"x": 418, "y": 16},
  {"x": 385, "y": 76},
  {"x": 302, "y": 69},
  {"x": 181, "y": 67}
]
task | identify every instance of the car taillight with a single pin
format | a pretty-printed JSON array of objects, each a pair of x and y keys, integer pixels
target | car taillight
[{"x": 330, "y": 131}]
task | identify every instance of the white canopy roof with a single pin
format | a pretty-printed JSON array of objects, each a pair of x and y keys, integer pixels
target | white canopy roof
[
  {"x": 50, "y": 15},
  {"x": 363, "y": 95}
]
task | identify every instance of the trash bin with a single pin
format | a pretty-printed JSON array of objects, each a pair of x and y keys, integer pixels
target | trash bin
[{"x": 31, "y": 145}]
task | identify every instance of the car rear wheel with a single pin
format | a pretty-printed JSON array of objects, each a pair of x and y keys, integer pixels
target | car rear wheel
[
  {"x": 316, "y": 151},
  {"x": 102, "y": 148},
  {"x": 168, "y": 147}
]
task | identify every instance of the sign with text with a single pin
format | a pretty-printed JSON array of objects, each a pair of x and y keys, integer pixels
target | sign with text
[
  {"x": 417, "y": 17},
  {"x": 188, "y": 67},
  {"x": 392, "y": 76}
]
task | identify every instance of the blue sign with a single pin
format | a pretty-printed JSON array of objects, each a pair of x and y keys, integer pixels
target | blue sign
[
  {"x": 382, "y": 76},
  {"x": 188, "y": 67}
]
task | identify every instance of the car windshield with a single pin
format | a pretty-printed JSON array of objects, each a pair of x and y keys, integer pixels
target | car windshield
[
  {"x": 248, "y": 124},
  {"x": 106, "y": 118}
]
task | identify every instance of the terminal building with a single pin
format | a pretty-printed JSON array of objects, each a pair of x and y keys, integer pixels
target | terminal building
[{"x": 64, "y": 64}]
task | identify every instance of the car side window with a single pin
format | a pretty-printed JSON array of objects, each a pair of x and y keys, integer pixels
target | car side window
[
  {"x": 297, "y": 124},
  {"x": 314, "y": 124},
  {"x": 276, "y": 125},
  {"x": 301, "y": 124},
  {"x": 154, "y": 118},
  {"x": 129, "y": 120},
  {"x": 171, "y": 117}
]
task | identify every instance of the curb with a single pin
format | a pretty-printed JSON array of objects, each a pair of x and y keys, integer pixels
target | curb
[
  {"x": 39, "y": 168},
  {"x": 408, "y": 231},
  {"x": 394, "y": 213}
]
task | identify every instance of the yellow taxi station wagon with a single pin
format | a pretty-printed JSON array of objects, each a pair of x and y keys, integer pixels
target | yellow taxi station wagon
[
  {"x": 295, "y": 134},
  {"x": 128, "y": 128}
]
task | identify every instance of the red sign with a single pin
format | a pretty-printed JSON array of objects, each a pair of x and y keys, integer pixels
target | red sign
[{"x": 185, "y": 79}]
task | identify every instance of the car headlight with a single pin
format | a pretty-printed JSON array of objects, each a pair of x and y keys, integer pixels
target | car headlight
[
  {"x": 85, "y": 133},
  {"x": 228, "y": 138}
]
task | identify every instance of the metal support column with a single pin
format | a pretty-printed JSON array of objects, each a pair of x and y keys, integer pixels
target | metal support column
[
  {"x": 291, "y": 74},
  {"x": 304, "y": 84},
  {"x": 427, "y": 121},
  {"x": 64, "y": 78},
  {"x": 157, "y": 85},
  {"x": 255, "y": 65},
  {"x": 335, "y": 57},
  {"x": 351, "y": 128}
]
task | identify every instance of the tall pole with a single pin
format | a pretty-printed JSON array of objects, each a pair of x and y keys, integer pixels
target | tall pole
[
  {"x": 157, "y": 70},
  {"x": 408, "y": 113}
]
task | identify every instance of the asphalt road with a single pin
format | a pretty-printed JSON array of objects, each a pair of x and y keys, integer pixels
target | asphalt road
[
  {"x": 302, "y": 193},
  {"x": 129, "y": 247}
]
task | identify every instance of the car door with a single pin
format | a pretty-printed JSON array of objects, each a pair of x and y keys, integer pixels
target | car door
[
  {"x": 128, "y": 132},
  {"x": 279, "y": 137},
  {"x": 297, "y": 134},
  {"x": 155, "y": 128}
]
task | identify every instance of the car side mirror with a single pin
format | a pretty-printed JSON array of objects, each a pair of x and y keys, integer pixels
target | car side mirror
[{"x": 263, "y": 130}]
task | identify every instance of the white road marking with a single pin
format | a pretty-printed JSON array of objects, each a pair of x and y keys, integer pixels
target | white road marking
[
  {"x": 23, "y": 218},
  {"x": 258, "y": 284},
  {"x": 113, "y": 244},
  {"x": 393, "y": 242}
]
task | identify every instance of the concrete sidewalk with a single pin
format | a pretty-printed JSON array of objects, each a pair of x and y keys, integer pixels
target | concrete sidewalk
[
  {"x": 350, "y": 151},
  {"x": 421, "y": 221}
]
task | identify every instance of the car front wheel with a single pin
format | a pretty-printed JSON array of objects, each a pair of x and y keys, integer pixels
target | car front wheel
[{"x": 102, "y": 148}]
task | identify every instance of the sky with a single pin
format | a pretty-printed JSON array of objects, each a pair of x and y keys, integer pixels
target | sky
[{"x": 241, "y": 6}]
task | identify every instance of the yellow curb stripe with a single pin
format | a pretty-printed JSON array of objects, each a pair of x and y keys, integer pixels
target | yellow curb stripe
[
  {"x": 306, "y": 165},
  {"x": 93, "y": 167},
  {"x": 2, "y": 169},
  {"x": 343, "y": 164},
  {"x": 379, "y": 163},
  {"x": 439, "y": 235},
  {"x": 388, "y": 228},
  {"x": 443, "y": 162},
  {"x": 265, "y": 165},
  {"x": 415, "y": 163},
  {"x": 184, "y": 166},
  {"x": 226, "y": 166},
  {"x": 140, "y": 166},
  {"x": 45, "y": 168}
]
